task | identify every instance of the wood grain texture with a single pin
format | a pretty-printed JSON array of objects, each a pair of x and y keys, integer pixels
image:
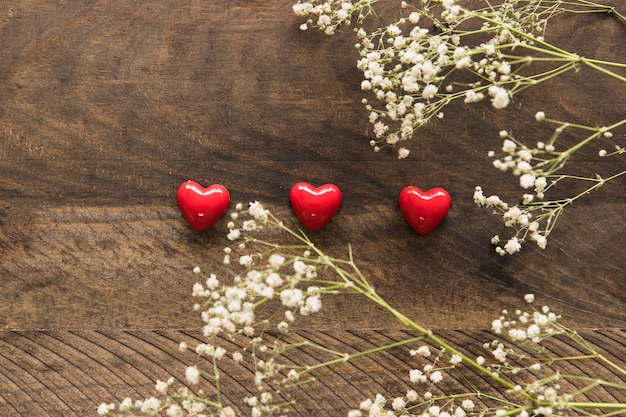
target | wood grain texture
[
  {"x": 69, "y": 373},
  {"x": 106, "y": 106}
]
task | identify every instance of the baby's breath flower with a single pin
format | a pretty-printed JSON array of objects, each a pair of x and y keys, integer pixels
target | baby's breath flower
[
  {"x": 403, "y": 153},
  {"x": 497, "y": 326},
  {"x": 398, "y": 403},
  {"x": 436, "y": 377},
  {"x": 434, "y": 410},
  {"x": 234, "y": 234},
  {"x": 527, "y": 180},
  {"x": 500, "y": 354},
  {"x": 245, "y": 260},
  {"x": 192, "y": 374},
  {"x": 417, "y": 376},
  {"x": 500, "y": 97},
  {"x": 104, "y": 409},
  {"x": 411, "y": 395},
  {"x": 161, "y": 386},
  {"x": 512, "y": 246}
]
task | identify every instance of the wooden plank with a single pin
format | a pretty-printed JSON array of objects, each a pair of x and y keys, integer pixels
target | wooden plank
[
  {"x": 106, "y": 107},
  {"x": 69, "y": 373}
]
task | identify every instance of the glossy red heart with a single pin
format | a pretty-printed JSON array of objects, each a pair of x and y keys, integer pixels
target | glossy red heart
[
  {"x": 202, "y": 207},
  {"x": 424, "y": 210},
  {"x": 315, "y": 206}
]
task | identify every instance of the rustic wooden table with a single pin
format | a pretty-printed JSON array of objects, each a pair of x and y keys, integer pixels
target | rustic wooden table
[{"x": 107, "y": 106}]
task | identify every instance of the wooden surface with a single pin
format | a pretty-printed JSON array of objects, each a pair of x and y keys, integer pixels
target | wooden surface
[{"x": 107, "y": 106}]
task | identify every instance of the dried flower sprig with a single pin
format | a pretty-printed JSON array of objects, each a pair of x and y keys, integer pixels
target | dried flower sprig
[
  {"x": 330, "y": 15},
  {"x": 443, "y": 51},
  {"x": 281, "y": 275},
  {"x": 537, "y": 167}
]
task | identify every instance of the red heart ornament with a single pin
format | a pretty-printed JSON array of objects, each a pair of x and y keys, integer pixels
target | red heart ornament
[
  {"x": 315, "y": 206},
  {"x": 200, "y": 206},
  {"x": 424, "y": 210}
]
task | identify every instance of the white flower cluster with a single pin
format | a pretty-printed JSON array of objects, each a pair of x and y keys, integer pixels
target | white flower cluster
[
  {"x": 410, "y": 68},
  {"x": 182, "y": 403},
  {"x": 229, "y": 311},
  {"x": 425, "y": 403},
  {"x": 519, "y": 217},
  {"x": 529, "y": 164},
  {"x": 531, "y": 326},
  {"x": 535, "y": 216},
  {"x": 330, "y": 14},
  {"x": 406, "y": 405}
]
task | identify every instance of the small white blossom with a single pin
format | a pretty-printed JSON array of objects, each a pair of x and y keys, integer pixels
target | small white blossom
[
  {"x": 434, "y": 410},
  {"x": 398, "y": 403},
  {"x": 517, "y": 334},
  {"x": 234, "y": 234},
  {"x": 497, "y": 326},
  {"x": 403, "y": 153},
  {"x": 245, "y": 260},
  {"x": 467, "y": 404},
  {"x": 429, "y": 91},
  {"x": 161, "y": 386},
  {"x": 512, "y": 246},
  {"x": 411, "y": 395},
  {"x": 104, "y": 409},
  {"x": 500, "y": 97},
  {"x": 291, "y": 297},
  {"x": 417, "y": 376},
  {"x": 527, "y": 180},
  {"x": 276, "y": 261},
  {"x": 174, "y": 410},
  {"x": 192, "y": 374},
  {"x": 499, "y": 354},
  {"x": 436, "y": 377}
]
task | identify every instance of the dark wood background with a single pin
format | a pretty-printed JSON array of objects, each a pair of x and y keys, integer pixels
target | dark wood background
[{"x": 107, "y": 106}]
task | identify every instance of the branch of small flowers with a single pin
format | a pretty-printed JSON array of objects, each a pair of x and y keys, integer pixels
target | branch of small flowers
[
  {"x": 424, "y": 408},
  {"x": 229, "y": 311},
  {"x": 361, "y": 286},
  {"x": 556, "y": 328},
  {"x": 328, "y": 16},
  {"x": 408, "y": 95},
  {"x": 535, "y": 166},
  {"x": 524, "y": 218}
]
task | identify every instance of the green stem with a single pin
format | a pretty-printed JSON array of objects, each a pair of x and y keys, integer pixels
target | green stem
[
  {"x": 550, "y": 49},
  {"x": 372, "y": 295},
  {"x": 608, "y": 406},
  {"x": 594, "y": 136},
  {"x": 347, "y": 357},
  {"x": 595, "y": 65}
]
